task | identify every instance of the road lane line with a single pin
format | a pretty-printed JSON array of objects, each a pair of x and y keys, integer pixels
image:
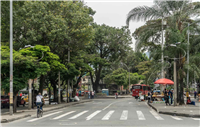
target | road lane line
[
  {"x": 74, "y": 117},
  {"x": 155, "y": 114},
  {"x": 176, "y": 118},
  {"x": 196, "y": 118},
  {"x": 44, "y": 116},
  {"x": 93, "y": 114},
  {"x": 108, "y": 106},
  {"x": 108, "y": 115},
  {"x": 124, "y": 115},
  {"x": 140, "y": 115},
  {"x": 63, "y": 115}
]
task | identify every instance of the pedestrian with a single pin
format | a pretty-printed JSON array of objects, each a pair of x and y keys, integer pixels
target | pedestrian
[
  {"x": 116, "y": 95},
  {"x": 190, "y": 102},
  {"x": 152, "y": 95},
  {"x": 149, "y": 97},
  {"x": 92, "y": 94},
  {"x": 170, "y": 96},
  {"x": 195, "y": 94},
  {"x": 166, "y": 97},
  {"x": 88, "y": 94}
]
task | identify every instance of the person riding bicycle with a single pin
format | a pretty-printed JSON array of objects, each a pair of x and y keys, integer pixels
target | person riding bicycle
[{"x": 39, "y": 100}]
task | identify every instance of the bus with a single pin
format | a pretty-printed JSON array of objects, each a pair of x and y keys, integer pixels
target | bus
[{"x": 136, "y": 88}]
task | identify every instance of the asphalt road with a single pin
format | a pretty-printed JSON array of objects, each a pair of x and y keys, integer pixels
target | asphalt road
[{"x": 106, "y": 113}]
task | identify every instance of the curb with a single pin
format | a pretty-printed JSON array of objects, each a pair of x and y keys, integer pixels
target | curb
[
  {"x": 21, "y": 117},
  {"x": 173, "y": 113},
  {"x": 13, "y": 119}
]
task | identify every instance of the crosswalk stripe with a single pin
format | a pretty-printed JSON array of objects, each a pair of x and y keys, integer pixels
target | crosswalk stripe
[
  {"x": 74, "y": 117},
  {"x": 196, "y": 118},
  {"x": 63, "y": 115},
  {"x": 108, "y": 115},
  {"x": 156, "y": 115},
  {"x": 176, "y": 118},
  {"x": 44, "y": 116},
  {"x": 124, "y": 115},
  {"x": 93, "y": 114},
  {"x": 140, "y": 115}
]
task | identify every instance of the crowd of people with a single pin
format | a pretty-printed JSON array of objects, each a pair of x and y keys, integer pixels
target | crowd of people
[
  {"x": 91, "y": 94},
  {"x": 168, "y": 97}
]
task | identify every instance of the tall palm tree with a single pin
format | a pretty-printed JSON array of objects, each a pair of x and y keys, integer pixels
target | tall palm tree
[{"x": 148, "y": 36}]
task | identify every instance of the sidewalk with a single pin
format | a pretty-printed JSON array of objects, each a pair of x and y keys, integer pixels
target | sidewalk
[
  {"x": 181, "y": 110},
  {"x": 27, "y": 113}
]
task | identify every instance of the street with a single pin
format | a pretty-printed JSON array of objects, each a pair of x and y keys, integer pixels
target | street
[{"x": 110, "y": 112}]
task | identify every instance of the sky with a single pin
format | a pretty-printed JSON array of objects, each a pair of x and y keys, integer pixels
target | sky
[{"x": 114, "y": 12}]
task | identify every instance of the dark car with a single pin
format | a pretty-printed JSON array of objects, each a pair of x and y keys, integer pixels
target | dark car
[
  {"x": 1, "y": 106},
  {"x": 5, "y": 101}
]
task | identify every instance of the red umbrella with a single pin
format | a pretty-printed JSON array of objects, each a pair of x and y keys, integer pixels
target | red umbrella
[{"x": 164, "y": 81}]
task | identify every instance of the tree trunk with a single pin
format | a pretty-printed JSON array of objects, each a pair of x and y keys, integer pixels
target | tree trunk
[
  {"x": 49, "y": 95},
  {"x": 177, "y": 95},
  {"x": 55, "y": 92},
  {"x": 15, "y": 103},
  {"x": 42, "y": 82},
  {"x": 181, "y": 101},
  {"x": 33, "y": 94},
  {"x": 97, "y": 79}
]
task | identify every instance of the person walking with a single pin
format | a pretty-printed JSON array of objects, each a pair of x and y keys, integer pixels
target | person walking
[
  {"x": 92, "y": 94},
  {"x": 166, "y": 97},
  {"x": 116, "y": 95},
  {"x": 88, "y": 94},
  {"x": 149, "y": 97},
  {"x": 195, "y": 94},
  {"x": 170, "y": 96}
]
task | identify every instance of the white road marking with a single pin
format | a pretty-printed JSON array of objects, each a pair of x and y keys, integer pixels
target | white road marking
[
  {"x": 140, "y": 115},
  {"x": 130, "y": 102},
  {"x": 196, "y": 118},
  {"x": 176, "y": 118},
  {"x": 44, "y": 116},
  {"x": 108, "y": 115},
  {"x": 124, "y": 115},
  {"x": 108, "y": 106},
  {"x": 63, "y": 115},
  {"x": 77, "y": 115},
  {"x": 93, "y": 114},
  {"x": 155, "y": 114}
]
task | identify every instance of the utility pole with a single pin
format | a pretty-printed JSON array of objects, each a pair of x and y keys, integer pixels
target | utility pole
[
  {"x": 11, "y": 57},
  {"x": 162, "y": 58},
  {"x": 30, "y": 94},
  {"x": 59, "y": 100},
  {"x": 188, "y": 61},
  {"x": 175, "y": 84}
]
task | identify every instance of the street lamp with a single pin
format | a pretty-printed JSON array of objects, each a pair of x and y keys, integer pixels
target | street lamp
[
  {"x": 188, "y": 54},
  {"x": 162, "y": 57},
  {"x": 175, "y": 79}
]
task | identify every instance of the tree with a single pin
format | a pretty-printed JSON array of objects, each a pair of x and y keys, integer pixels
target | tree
[
  {"x": 110, "y": 44},
  {"x": 44, "y": 55},
  {"x": 176, "y": 13},
  {"x": 24, "y": 68}
]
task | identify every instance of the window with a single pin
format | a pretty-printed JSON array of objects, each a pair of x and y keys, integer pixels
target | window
[{"x": 83, "y": 79}]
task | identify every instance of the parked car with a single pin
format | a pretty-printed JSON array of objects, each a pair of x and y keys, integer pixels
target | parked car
[
  {"x": 5, "y": 101},
  {"x": 1, "y": 105}
]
